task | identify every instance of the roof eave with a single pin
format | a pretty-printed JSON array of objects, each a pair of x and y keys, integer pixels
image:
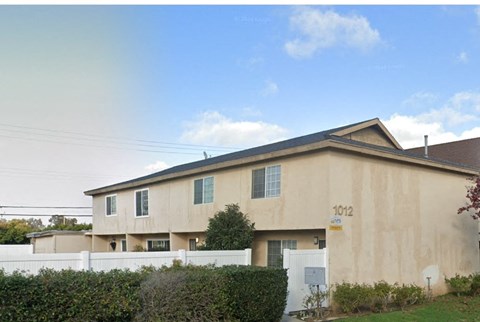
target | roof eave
[{"x": 309, "y": 148}]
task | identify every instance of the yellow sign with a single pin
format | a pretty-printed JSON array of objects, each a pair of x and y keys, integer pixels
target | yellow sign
[
  {"x": 335, "y": 227},
  {"x": 336, "y": 223}
]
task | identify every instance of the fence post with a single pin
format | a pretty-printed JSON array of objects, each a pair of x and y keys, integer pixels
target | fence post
[
  {"x": 85, "y": 260},
  {"x": 286, "y": 258},
  {"x": 182, "y": 255},
  {"x": 248, "y": 256}
]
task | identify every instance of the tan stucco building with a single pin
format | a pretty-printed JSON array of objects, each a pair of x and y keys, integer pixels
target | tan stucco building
[
  {"x": 383, "y": 213},
  {"x": 60, "y": 241}
]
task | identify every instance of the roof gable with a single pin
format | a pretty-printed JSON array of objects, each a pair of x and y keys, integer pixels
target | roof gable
[{"x": 371, "y": 132}]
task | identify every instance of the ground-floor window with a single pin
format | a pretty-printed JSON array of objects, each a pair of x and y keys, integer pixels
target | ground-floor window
[
  {"x": 124, "y": 245},
  {"x": 192, "y": 244},
  {"x": 275, "y": 251},
  {"x": 158, "y": 245},
  {"x": 322, "y": 243}
]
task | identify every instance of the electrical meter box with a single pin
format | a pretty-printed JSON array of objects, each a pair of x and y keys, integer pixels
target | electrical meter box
[{"x": 315, "y": 275}]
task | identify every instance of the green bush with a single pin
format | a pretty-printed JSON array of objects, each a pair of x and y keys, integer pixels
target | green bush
[
  {"x": 183, "y": 294},
  {"x": 378, "y": 298},
  {"x": 207, "y": 293},
  {"x": 69, "y": 295},
  {"x": 177, "y": 293},
  {"x": 460, "y": 284},
  {"x": 381, "y": 296},
  {"x": 352, "y": 296},
  {"x": 406, "y": 295},
  {"x": 475, "y": 286},
  {"x": 255, "y": 293}
]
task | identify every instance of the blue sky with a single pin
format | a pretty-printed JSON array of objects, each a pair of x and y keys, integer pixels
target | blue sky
[{"x": 82, "y": 89}]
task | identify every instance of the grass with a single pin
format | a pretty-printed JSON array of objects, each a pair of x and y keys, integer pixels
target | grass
[{"x": 443, "y": 308}]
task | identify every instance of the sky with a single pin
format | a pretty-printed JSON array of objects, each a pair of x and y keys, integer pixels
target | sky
[{"x": 95, "y": 95}]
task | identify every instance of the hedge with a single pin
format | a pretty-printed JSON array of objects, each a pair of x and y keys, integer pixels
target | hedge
[
  {"x": 179, "y": 293},
  {"x": 69, "y": 295},
  {"x": 229, "y": 293}
]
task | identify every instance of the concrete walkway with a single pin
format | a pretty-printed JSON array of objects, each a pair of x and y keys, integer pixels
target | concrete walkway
[{"x": 288, "y": 318}]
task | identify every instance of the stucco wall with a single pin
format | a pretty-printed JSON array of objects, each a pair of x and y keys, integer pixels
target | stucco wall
[
  {"x": 62, "y": 244},
  {"x": 404, "y": 224}
]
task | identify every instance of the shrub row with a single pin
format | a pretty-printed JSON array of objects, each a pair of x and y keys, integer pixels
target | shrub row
[
  {"x": 69, "y": 295},
  {"x": 378, "y": 297},
  {"x": 190, "y": 293},
  {"x": 229, "y": 293},
  {"x": 464, "y": 285}
]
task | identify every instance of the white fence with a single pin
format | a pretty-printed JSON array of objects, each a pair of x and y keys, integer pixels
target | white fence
[
  {"x": 295, "y": 262},
  {"x": 6, "y": 250},
  {"x": 32, "y": 263}
]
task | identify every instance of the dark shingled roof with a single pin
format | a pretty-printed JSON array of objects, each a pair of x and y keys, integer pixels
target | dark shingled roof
[
  {"x": 277, "y": 146},
  {"x": 464, "y": 151},
  {"x": 291, "y": 143}
]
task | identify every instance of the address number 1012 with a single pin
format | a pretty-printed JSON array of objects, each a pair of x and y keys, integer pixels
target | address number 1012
[{"x": 343, "y": 210}]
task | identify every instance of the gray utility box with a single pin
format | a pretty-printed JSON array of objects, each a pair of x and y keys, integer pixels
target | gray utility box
[{"x": 315, "y": 275}]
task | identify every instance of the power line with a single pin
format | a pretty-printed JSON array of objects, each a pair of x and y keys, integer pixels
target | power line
[
  {"x": 40, "y": 215},
  {"x": 115, "y": 139},
  {"x": 47, "y": 207}
]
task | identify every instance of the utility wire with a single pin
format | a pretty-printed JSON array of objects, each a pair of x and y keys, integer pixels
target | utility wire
[
  {"x": 47, "y": 207},
  {"x": 95, "y": 137},
  {"x": 40, "y": 215}
]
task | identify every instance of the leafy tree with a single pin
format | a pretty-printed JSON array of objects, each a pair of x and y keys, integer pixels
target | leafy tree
[
  {"x": 229, "y": 229},
  {"x": 473, "y": 196},
  {"x": 14, "y": 231},
  {"x": 60, "y": 222}
]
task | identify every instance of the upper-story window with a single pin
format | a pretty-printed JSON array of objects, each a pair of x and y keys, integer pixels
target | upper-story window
[
  {"x": 111, "y": 205},
  {"x": 203, "y": 190},
  {"x": 266, "y": 182},
  {"x": 141, "y": 203}
]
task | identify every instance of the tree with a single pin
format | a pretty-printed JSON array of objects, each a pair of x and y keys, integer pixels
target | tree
[
  {"x": 473, "y": 196},
  {"x": 14, "y": 231},
  {"x": 229, "y": 229},
  {"x": 60, "y": 222}
]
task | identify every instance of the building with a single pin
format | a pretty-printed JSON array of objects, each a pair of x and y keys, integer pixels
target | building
[
  {"x": 463, "y": 151},
  {"x": 60, "y": 241},
  {"x": 383, "y": 213}
]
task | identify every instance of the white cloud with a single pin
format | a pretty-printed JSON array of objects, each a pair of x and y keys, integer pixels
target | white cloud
[
  {"x": 420, "y": 99},
  {"x": 157, "y": 166},
  {"x": 213, "y": 128},
  {"x": 462, "y": 58},
  {"x": 410, "y": 131},
  {"x": 461, "y": 108},
  {"x": 465, "y": 100},
  {"x": 270, "y": 88},
  {"x": 320, "y": 30}
]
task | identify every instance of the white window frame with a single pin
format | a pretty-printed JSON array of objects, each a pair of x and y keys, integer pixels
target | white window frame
[
  {"x": 204, "y": 190},
  {"x": 284, "y": 243},
  {"x": 135, "y": 203},
  {"x": 106, "y": 205},
  {"x": 157, "y": 239},
  {"x": 268, "y": 191},
  {"x": 121, "y": 245}
]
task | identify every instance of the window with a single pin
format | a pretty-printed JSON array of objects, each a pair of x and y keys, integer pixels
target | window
[
  {"x": 266, "y": 182},
  {"x": 111, "y": 205},
  {"x": 141, "y": 203},
  {"x": 322, "y": 244},
  {"x": 158, "y": 245},
  {"x": 203, "y": 191},
  {"x": 124, "y": 245},
  {"x": 192, "y": 244},
  {"x": 275, "y": 251}
]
